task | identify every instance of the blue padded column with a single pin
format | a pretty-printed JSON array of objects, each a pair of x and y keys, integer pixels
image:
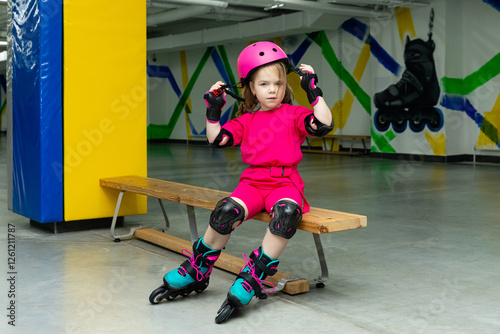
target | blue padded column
[{"x": 37, "y": 109}]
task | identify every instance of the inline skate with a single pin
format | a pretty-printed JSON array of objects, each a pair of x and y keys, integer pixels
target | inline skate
[
  {"x": 249, "y": 283},
  {"x": 192, "y": 275},
  {"x": 412, "y": 99}
]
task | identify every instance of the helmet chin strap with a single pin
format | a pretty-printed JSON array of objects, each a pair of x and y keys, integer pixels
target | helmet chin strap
[{"x": 225, "y": 88}]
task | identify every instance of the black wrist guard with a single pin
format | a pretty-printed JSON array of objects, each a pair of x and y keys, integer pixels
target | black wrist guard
[
  {"x": 308, "y": 84},
  {"x": 215, "y": 101}
]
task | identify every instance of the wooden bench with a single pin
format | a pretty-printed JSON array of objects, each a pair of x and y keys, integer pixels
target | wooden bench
[
  {"x": 338, "y": 138},
  {"x": 318, "y": 221}
]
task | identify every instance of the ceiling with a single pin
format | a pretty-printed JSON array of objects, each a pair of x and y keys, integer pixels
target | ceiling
[{"x": 184, "y": 24}]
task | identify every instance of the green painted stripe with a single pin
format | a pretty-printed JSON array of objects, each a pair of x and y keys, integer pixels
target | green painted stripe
[
  {"x": 364, "y": 99},
  {"x": 227, "y": 65},
  {"x": 474, "y": 80},
  {"x": 382, "y": 141},
  {"x": 326, "y": 49},
  {"x": 490, "y": 131},
  {"x": 164, "y": 131}
]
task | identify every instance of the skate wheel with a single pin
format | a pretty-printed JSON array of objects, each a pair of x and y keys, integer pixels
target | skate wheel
[
  {"x": 437, "y": 121},
  {"x": 417, "y": 126},
  {"x": 156, "y": 295},
  {"x": 224, "y": 313},
  {"x": 381, "y": 124},
  {"x": 400, "y": 126},
  {"x": 320, "y": 285}
]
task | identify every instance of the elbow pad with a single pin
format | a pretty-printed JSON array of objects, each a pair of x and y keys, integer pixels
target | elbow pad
[
  {"x": 322, "y": 129},
  {"x": 223, "y": 133}
]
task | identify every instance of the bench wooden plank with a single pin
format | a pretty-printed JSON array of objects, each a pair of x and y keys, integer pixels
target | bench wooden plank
[
  {"x": 226, "y": 261},
  {"x": 317, "y": 220}
]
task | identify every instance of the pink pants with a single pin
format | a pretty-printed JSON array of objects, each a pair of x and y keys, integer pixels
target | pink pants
[{"x": 261, "y": 187}]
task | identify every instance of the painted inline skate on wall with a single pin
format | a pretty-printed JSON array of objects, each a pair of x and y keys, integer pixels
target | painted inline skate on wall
[{"x": 413, "y": 98}]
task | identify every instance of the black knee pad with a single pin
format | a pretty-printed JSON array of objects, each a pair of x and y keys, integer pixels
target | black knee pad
[
  {"x": 286, "y": 217},
  {"x": 226, "y": 213}
]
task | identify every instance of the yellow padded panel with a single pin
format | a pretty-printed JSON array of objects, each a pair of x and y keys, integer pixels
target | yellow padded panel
[{"x": 105, "y": 113}]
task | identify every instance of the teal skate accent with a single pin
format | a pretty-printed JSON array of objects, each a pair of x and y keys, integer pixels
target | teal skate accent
[
  {"x": 180, "y": 277},
  {"x": 242, "y": 289},
  {"x": 177, "y": 280}
]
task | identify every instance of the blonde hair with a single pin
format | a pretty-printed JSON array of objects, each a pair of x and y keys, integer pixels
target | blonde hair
[{"x": 251, "y": 101}]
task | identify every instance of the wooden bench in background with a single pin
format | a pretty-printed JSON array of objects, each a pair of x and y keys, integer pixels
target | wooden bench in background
[
  {"x": 317, "y": 221},
  {"x": 334, "y": 148}
]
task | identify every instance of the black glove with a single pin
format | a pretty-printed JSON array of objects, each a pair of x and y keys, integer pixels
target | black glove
[
  {"x": 308, "y": 83},
  {"x": 215, "y": 101}
]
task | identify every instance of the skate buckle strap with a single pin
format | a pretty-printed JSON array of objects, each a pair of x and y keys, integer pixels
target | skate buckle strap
[
  {"x": 251, "y": 266},
  {"x": 413, "y": 80},
  {"x": 191, "y": 264}
]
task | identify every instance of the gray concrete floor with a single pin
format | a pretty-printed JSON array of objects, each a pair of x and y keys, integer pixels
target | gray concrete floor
[{"x": 428, "y": 262}]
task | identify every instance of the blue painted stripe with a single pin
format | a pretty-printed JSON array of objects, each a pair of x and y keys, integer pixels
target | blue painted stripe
[
  {"x": 157, "y": 71},
  {"x": 220, "y": 66},
  {"x": 297, "y": 55},
  {"x": 360, "y": 30},
  {"x": 493, "y": 3},
  {"x": 460, "y": 103}
]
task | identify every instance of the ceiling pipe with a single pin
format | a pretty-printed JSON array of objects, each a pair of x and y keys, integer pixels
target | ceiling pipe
[
  {"x": 231, "y": 14},
  {"x": 312, "y": 6},
  {"x": 329, "y": 8},
  {"x": 210, "y": 3},
  {"x": 177, "y": 14},
  {"x": 158, "y": 4},
  {"x": 388, "y": 3}
]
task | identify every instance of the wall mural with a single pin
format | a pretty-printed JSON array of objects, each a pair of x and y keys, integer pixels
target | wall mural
[
  {"x": 418, "y": 101},
  {"x": 412, "y": 99}
]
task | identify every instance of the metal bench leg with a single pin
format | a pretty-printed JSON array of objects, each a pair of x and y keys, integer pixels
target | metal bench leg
[
  {"x": 167, "y": 222},
  {"x": 192, "y": 223},
  {"x": 322, "y": 262},
  {"x": 364, "y": 146},
  {"x": 117, "y": 238}
]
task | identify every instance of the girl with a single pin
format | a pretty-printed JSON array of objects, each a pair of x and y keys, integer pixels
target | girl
[{"x": 270, "y": 132}]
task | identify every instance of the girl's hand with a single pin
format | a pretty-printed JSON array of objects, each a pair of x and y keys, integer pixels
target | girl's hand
[
  {"x": 216, "y": 86},
  {"x": 306, "y": 68}
]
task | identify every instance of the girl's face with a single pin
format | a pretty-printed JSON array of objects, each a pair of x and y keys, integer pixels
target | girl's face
[{"x": 268, "y": 87}]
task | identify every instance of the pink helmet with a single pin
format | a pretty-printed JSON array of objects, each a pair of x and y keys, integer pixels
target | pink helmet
[{"x": 258, "y": 54}]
